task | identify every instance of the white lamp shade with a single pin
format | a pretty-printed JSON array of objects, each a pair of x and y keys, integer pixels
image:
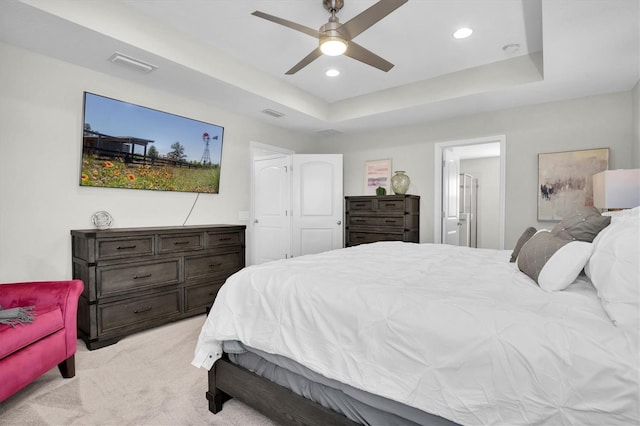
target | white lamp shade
[{"x": 616, "y": 189}]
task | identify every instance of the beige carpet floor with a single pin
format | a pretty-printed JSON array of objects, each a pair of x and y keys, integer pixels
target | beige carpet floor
[{"x": 144, "y": 379}]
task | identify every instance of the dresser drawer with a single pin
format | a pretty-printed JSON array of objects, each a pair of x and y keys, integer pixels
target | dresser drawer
[
  {"x": 378, "y": 221},
  {"x": 391, "y": 205},
  {"x": 124, "y": 247},
  {"x": 202, "y": 266},
  {"x": 180, "y": 242},
  {"x": 355, "y": 238},
  {"x": 125, "y": 278},
  {"x": 137, "y": 312},
  {"x": 360, "y": 205},
  {"x": 201, "y": 296},
  {"x": 219, "y": 239}
]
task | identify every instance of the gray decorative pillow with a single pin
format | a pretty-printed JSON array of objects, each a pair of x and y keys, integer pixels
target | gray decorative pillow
[
  {"x": 537, "y": 251},
  {"x": 528, "y": 233},
  {"x": 583, "y": 225}
]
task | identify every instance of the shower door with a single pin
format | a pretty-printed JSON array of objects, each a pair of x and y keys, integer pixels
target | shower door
[{"x": 468, "y": 210}]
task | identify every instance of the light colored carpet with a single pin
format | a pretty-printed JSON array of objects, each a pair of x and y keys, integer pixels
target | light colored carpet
[{"x": 144, "y": 379}]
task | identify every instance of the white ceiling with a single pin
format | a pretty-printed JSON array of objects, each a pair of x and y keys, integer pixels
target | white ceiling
[{"x": 216, "y": 52}]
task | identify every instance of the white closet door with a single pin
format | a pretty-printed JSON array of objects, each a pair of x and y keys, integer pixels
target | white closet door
[
  {"x": 318, "y": 203},
  {"x": 272, "y": 221}
]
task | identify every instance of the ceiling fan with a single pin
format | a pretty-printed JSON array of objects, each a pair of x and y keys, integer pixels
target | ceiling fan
[{"x": 336, "y": 38}]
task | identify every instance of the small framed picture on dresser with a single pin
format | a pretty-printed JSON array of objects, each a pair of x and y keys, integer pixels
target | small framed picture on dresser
[{"x": 377, "y": 173}]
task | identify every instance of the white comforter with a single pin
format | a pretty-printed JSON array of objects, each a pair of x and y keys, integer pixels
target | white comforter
[{"x": 456, "y": 332}]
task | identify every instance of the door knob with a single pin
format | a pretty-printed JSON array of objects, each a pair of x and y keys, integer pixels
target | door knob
[{"x": 339, "y": 222}]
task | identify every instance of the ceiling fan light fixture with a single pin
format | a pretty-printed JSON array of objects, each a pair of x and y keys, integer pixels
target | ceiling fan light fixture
[
  {"x": 333, "y": 45},
  {"x": 335, "y": 39},
  {"x": 332, "y": 72}
]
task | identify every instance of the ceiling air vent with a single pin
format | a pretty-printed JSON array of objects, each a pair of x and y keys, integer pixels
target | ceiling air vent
[
  {"x": 329, "y": 132},
  {"x": 273, "y": 113},
  {"x": 133, "y": 63}
]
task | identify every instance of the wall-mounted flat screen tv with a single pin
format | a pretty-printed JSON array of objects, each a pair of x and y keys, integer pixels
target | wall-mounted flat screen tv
[{"x": 131, "y": 146}]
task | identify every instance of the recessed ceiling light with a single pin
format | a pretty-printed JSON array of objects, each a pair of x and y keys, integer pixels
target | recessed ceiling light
[
  {"x": 463, "y": 33},
  {"x": 332, "y": 72}
]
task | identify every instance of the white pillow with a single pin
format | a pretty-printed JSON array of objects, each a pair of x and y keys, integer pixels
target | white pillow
[
  {"x": 553, "y": 262},
  {"x": 564, "y": 266},
  {"x": 614, "y": 268}
]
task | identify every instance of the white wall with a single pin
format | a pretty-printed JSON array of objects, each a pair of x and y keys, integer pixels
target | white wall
[
  {"x": 40, "y": 151},
  {"x": 585, "y": 123},
  {"x": 636, "y": 126},
  {"x": 487, "y": 171}
]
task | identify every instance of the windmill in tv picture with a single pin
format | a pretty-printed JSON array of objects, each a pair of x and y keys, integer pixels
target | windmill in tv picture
[{"x": 206, "y": 157}]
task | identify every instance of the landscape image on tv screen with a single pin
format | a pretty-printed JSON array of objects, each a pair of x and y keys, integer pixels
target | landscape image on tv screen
[{"x": 131, "y": 146}]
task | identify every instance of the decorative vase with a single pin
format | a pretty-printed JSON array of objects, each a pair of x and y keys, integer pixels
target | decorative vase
[
  {"x": 400, "y": 182},
  {"x": 381, "y": 191}
]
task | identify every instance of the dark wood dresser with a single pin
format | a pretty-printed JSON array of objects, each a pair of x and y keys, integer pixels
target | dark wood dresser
[
  {"x": 137, "y": 278},
  {"x": 382, "y": 218}
]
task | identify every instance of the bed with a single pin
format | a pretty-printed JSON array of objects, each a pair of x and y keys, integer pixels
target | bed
[{"x": 404, "y": 333}]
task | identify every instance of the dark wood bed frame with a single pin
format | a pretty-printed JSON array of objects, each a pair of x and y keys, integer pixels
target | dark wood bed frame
[{"x": 227, "y": 380}]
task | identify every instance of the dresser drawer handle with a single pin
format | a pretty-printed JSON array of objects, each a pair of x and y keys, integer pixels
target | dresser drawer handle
[
  {"x": 224, "y": 239},
  {"x": 360, "y": 204},
  {"x": 213, "y": 293},
  {"x": 145, "y": 309},
  {"x": 359, "y": 220},
  {"x": 389, "y": 221},
  {"x": 390, "y": 205},
  {"x": 213, "y": 265},
  {"x": 139, "y": 277},
  {"x": 359, "y": 237},
  {"x": 126, "y": 247},
  {"x": 177, "y": 243}
]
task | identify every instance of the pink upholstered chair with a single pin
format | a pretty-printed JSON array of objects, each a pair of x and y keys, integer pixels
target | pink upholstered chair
[{"x": 27, "y": 351}]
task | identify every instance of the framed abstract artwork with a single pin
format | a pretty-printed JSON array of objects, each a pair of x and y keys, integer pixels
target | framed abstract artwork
[
  {"x": 377, "y": 173},
  {"x": 564, "y": 181}
]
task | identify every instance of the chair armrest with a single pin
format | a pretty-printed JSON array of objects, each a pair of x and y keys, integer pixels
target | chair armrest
[{"x": 65, "y": 294}]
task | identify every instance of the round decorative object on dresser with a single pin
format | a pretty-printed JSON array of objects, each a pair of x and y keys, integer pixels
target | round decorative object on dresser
[
  {"x": 400, "y": 182},
  {"x": 102, "y": 220}
]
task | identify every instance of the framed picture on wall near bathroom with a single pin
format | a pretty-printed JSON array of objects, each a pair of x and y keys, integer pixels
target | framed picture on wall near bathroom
[
  {"x": 377, "y": 173},
  {"x": 565, "y": 181}
]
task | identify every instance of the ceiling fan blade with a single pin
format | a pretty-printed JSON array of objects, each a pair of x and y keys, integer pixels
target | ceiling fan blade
[
  {"x": 288, "y": 24},
  {"x": 361, "y": 54},
  {"x": 315, "y": 54},
  {"x": 366, "y": 19}
]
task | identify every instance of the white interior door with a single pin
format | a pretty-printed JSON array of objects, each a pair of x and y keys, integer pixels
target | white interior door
[
  {"x": 450, "y": 198},
  {"x": 475, "y": 149},
  {"x": 272, "y": 201},
  {"x": 318, "y": 206}
]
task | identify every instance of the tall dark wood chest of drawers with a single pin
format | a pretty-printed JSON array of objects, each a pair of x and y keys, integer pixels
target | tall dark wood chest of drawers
[
  {"x": 382, "y": 218},
  {"x": 137, "y": 278}
]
